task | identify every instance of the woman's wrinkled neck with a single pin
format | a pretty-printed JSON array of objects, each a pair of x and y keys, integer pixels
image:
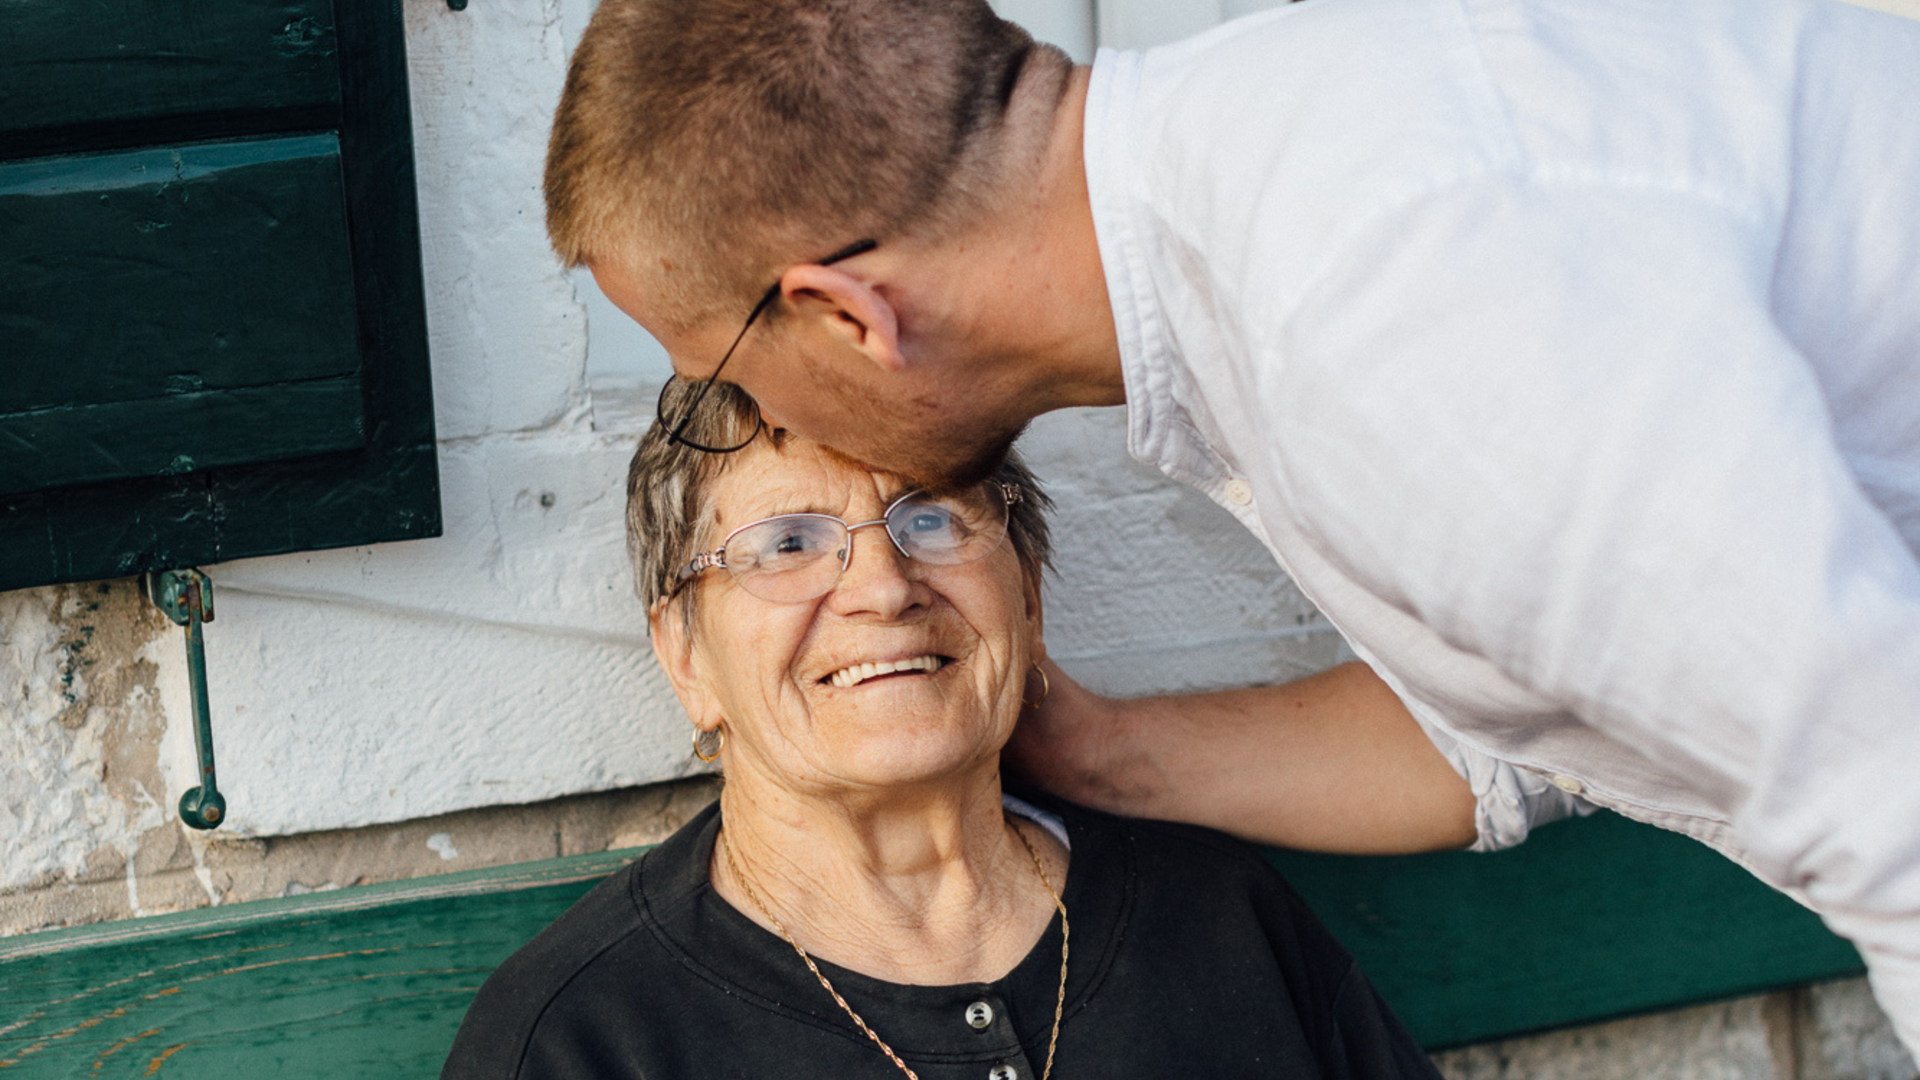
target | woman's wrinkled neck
[{"x": 920, "y": 884}]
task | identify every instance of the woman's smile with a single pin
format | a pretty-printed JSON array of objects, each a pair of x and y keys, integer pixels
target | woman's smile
[{"x": 866, "y": 672}]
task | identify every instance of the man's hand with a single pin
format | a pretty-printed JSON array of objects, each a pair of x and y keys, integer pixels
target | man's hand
[
  {"x": 1333, "y": 762},
  {"x": 1076, "y": 746}
]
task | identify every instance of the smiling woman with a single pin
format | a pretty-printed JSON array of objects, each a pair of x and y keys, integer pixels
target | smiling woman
[{"x": 865, "y": 898}]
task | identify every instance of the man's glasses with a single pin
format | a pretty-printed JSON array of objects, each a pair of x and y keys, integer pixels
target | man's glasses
[
  {"x": 676, "y": 430},
  {"x": 798, "y": 557}
]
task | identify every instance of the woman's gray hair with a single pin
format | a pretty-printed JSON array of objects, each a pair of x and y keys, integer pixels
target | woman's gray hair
[{"x": 669, "y": 492}]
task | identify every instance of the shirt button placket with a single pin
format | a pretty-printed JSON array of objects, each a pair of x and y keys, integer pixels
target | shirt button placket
[{"x": 988, "y": 1015}]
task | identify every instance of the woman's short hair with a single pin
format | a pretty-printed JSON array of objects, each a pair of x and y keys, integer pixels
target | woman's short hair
[{"x": 670, "y": 486}]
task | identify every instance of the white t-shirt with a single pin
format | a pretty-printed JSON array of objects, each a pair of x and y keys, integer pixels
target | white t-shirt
[{"x": 1567, "y": 355}]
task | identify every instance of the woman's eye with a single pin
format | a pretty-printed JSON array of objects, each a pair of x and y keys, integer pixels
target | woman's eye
[
  {"x": 779, "y": 546},
  {"x": 787, "y": 547},
  {"x": 923, "y": 520},
  {"x": 928, "y": 521}
]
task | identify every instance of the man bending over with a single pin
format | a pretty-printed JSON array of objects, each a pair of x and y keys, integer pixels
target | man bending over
[{"x": 1566, "y": 354}]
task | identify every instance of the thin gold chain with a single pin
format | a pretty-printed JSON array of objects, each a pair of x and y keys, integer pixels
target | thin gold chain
[
  {"x": 1059, "y": 1000},
  {"x": 1059, "y": 997}
]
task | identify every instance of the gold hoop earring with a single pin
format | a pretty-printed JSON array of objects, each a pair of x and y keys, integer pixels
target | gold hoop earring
[
  {"x": 1046, "y": 687},
  {"x": 715, "y": 756}
]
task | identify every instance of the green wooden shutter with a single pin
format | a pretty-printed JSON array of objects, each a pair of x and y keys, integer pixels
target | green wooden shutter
[{"x": 212, "y": 330}]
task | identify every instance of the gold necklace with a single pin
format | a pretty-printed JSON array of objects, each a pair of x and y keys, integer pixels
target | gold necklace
[{"x": 1059, "y": 1000}]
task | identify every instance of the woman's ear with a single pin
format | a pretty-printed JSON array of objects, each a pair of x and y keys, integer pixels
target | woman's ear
[
  {"x": 673, "y": 647},
  {"x": 1036, "y": 620},
  {"x": 848, "y": 309}
]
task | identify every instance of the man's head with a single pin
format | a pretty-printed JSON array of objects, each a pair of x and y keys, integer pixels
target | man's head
[
  {"x": 705, "y": 150},
  {"x": 704, "y": 146}
]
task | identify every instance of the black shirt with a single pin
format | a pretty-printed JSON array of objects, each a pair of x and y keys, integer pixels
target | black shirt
[{"x": 1190, "y": 958}]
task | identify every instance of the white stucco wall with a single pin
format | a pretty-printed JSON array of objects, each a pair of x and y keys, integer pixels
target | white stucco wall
[{"x": 58, "y": 798}]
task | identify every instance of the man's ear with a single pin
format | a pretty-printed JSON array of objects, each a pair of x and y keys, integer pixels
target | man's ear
[
  {"x": 849, "y": 309},
  {"x": 673, "y": 647}
]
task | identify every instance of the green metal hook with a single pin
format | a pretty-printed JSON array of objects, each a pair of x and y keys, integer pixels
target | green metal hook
[{"x": 187, "y": 598}]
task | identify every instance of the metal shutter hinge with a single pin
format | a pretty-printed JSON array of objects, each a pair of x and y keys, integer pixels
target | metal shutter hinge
[{"x": 187, "y": 598}]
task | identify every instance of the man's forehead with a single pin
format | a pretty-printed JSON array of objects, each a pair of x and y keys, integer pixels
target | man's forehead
[{"x": 622, "y": 287}]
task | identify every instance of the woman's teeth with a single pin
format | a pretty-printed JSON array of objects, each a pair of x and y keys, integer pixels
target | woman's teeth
[{"x": 859, "y": 673}]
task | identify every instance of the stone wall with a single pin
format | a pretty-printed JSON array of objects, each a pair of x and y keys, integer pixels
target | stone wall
[{"x": 1827, "y": 1031}]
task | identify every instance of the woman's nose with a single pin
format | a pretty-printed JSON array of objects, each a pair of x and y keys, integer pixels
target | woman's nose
[{"x": 878, "y": 579}]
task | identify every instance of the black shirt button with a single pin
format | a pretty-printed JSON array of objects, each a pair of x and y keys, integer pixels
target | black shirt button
[
  {"x": 980, "y": 1016},
  {"x": 1003, "y": 1071}
]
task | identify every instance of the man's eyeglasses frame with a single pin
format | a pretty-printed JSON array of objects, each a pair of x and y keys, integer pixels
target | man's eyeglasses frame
[{"x": 675, "y": 430}]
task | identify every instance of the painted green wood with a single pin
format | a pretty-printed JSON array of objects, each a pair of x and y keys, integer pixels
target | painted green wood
[
  {"x": 366, "y": 983},
  {"x": 174, "y": 310},
  {"x": 178, "y": 433},
  {"x": 376, "y": 145},
  {"x": 330, "y": 69},
  {"x": 175, "y": 269},
  {"x": 106, "y": 530},
  {"x": 1586, "y": 920},
  {"x": 1589, "y": 919},
  {"x": 330, "y": 502},
  {"x": 76, "y": 74},
  {"x": 131, "y": 527}
]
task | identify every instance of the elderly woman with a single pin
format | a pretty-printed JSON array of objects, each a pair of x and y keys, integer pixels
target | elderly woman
[{"x": 864, "y": 899}]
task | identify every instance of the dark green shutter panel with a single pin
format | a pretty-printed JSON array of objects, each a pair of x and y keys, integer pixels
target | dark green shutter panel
[{"x": 212, "y": 336}]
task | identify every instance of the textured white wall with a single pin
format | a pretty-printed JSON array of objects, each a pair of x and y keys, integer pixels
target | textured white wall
[
  {"x": 1066, "y": 23},
  {"x": 1139, "y": 24},
  {"x": 62, "y": 796}
]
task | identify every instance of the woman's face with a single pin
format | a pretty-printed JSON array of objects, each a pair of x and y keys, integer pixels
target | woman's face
[{"x": 767, "y": 670}]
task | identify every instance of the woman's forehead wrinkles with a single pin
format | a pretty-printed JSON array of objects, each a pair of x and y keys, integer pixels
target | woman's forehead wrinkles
[{"x": 801, "y": 480}]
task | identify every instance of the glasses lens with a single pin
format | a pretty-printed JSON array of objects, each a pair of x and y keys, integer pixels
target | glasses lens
[
  {"x": 713, "y": 417},
  {"x": 949, "y": 531},
  {"x": 788, "y": 559}
]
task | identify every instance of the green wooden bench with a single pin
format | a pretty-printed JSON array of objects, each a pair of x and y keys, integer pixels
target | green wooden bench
[{"x": 1590, "y": 919}]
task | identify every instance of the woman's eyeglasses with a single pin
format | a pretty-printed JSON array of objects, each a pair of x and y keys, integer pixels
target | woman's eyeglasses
[
  {"x": 676, "y": 430},
  {"x": 797, "y": 557}
]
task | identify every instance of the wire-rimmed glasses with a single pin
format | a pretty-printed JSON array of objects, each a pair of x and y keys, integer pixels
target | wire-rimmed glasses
[
  {"x": 675, "y": 430},
  {"x": 793, "y": 558}
]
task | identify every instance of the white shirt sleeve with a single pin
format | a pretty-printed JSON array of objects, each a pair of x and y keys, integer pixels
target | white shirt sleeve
[
  {"x": 1509, "y": 802},
  {"x": 1555, "y": 422}
]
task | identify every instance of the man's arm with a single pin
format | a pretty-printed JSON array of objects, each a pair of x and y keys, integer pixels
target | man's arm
[{"x": 1333, "y": 762}]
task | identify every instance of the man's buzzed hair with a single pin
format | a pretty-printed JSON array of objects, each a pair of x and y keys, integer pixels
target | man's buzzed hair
[{"x": 705, "y": 145}]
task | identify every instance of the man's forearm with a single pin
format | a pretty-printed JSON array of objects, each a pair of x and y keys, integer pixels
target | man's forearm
[{"x": 1331, "y": 763}]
